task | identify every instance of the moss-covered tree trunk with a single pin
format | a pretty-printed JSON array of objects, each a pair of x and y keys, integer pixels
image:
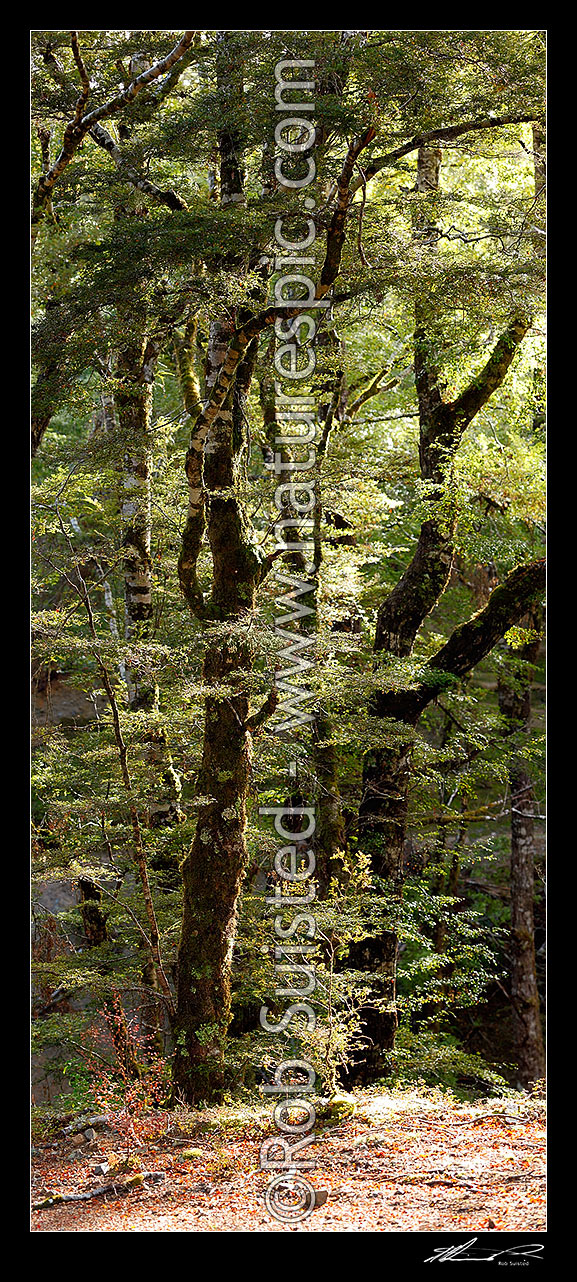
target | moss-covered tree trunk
[
  {"x": 214, "y": 867},
  {"x": 515, "y": 706},
  {"x": 212, "y": 875}
]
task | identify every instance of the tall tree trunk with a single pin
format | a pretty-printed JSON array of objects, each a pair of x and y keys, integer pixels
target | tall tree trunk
[
  {"x": 329, "y": 838},
  {"x": 515, "y": 706},
  {"x": 131, "y": 407},
  {"x": 214, "y": 867},
  {"x": 212, "y": 874}
]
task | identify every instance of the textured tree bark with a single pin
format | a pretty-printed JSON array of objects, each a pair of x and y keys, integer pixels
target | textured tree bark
[
  {"x": 212, "y": 874},
  {"x": 515, "y": 705},
  {"x": 214, "y": 867},
  {"x": 212, "y": 889}
]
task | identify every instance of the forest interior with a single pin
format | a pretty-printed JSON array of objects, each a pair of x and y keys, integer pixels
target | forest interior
[{"x": 288, "y": 632}]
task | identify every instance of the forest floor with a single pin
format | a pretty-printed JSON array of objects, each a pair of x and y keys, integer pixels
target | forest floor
[{"x": 405, "y": 1162}]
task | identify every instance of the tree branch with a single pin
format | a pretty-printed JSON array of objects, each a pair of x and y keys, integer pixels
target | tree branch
[
  {"x": 253, "y": 723},
  {"x": 77, "y": 128},
  {"x": 441, "y": 427},
  {"x": 83, "y": 99},
  {"x": 508, "y": 602},
  {"x": 162, "y": 196},
  {"x": 375, "y": 386},
  {"x": 468, "y": 404},
  {"x": 446, "y": 132},
  {"x": 468, "y": 644},
  {"x": 443, "y": 423}
]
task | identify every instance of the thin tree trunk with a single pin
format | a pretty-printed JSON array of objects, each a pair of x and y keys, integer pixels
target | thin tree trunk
[
  {"x": 133, "y": 403},
  {"x": 329, "y": 839}
]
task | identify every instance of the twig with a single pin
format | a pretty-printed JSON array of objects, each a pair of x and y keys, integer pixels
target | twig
[{"x": 56, "y": 1199}]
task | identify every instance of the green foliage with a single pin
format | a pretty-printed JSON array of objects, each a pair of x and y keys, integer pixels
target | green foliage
[
  {"x": 115, "y": 264},
  {"x": 432, "y": 1059}
]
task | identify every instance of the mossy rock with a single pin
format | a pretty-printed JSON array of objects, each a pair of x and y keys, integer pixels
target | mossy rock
[
  {"x": 340, "y": 1106},
  {"x": 192, "y": 1153}
]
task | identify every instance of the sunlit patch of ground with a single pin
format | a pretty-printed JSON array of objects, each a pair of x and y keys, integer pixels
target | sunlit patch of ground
[{"x": 405, "y": 1162}]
